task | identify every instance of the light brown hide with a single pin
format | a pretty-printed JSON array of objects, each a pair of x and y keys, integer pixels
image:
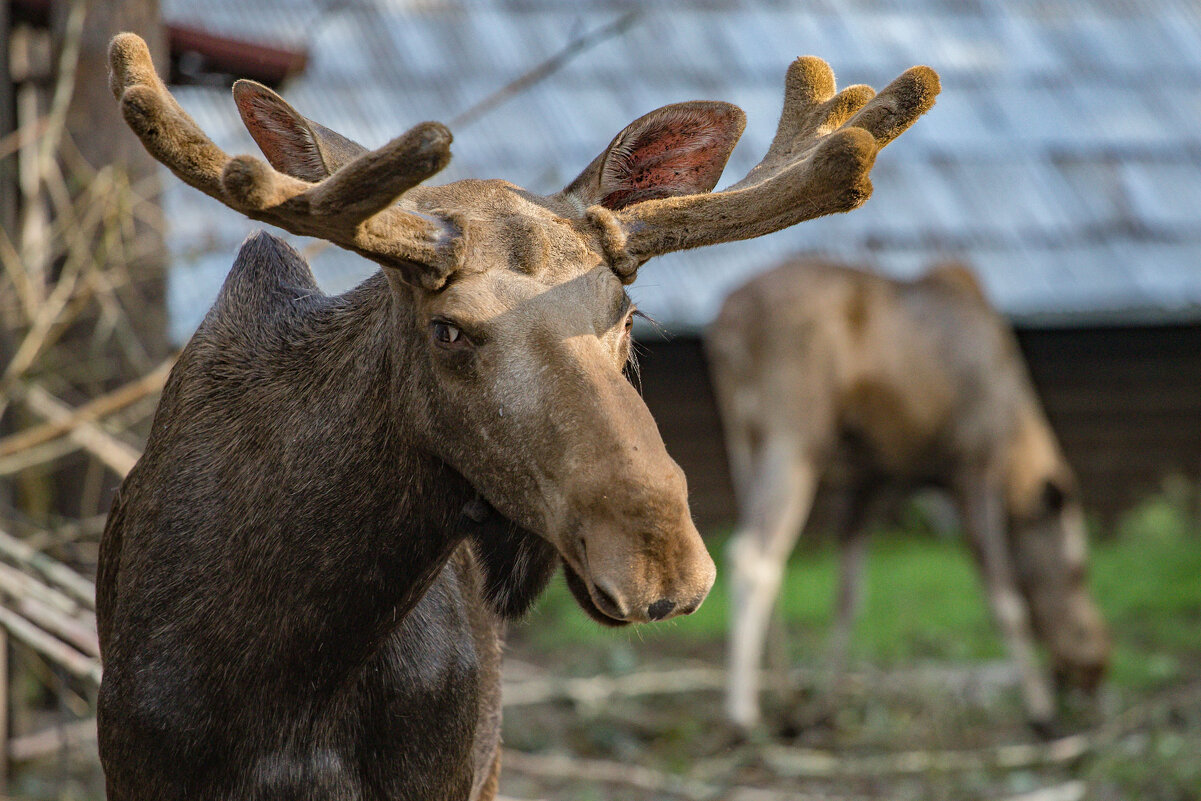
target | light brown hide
[{"x": 897, "y": 385}]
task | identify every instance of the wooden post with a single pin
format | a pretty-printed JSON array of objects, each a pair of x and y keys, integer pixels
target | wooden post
[
  {"x": 8, "y": 223},
  {"x": 8, "y": 195},
  {"x": 8, "y": 124},
  {"x": 4, "y": 697}
]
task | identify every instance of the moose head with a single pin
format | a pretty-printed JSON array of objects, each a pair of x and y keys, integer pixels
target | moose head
[
  {"x": 1048, "y": 546},
  {"x": 509, "y": 310}
]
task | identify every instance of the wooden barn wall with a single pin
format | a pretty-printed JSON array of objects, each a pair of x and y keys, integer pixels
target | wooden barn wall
[{"x": 1125, "y": 402}]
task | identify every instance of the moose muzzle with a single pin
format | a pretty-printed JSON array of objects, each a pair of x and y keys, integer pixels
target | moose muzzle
[{"x": 633, "y": 554}]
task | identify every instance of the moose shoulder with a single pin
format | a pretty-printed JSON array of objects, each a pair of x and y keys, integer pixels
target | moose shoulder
[
  {"x": 897, "y": 384},
  {"x": 303, "y": 582}
]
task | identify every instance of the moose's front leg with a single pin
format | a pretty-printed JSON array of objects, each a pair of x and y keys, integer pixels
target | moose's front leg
[
  {"x": 984, "y": 520},
  {"x": 783, "y": 487}
]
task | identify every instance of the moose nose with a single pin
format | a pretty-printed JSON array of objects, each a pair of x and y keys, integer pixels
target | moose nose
[
  {"x": 606, "y": 600},
  {"x": 660, "y": 609}
]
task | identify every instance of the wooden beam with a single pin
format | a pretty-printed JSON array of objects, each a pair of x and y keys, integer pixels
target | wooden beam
[{"x": 238, "y": 57}]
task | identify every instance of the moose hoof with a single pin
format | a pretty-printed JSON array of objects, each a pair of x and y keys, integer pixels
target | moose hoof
[{"x": 807, "y": 719}]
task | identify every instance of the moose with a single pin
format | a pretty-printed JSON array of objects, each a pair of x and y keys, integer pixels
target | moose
[
  {"x": 821, "y": 369},
  {"x": 304, "y": 581}
]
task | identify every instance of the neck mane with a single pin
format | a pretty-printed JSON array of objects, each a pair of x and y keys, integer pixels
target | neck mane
[{"x": 340, "y": 518}]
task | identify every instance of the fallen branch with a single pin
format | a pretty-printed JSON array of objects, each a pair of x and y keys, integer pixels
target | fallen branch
[
  {"x": 42, "y": 454},
  {"x": 71, "y": 660},
  {"x": 819, "y": 763},
  {"x": 78, "y": 588},
  {"x": 812, "y": 762},
  {"x": 596, "y": 689},
  {"x": 17, "y": 584},
  {"x": 72, "y": 532},
  {"x": 104, "y": 446},
  {"x": 565, "y": 766},
  {"x": 80, "y": 633},
  {"x": 91, "y": 411},
  {"x": 49, "y": 742},
  {"x": 575, "y": 769},
  {"x": 1069, "y": 791}
]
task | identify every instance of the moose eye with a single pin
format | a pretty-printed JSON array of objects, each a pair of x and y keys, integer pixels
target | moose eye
[{"x": 446, "y": 334}]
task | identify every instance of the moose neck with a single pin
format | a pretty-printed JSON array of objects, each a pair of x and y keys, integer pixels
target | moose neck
[
  {"x": 341, "y": 519},
  {"x": 366, "y": 515}
]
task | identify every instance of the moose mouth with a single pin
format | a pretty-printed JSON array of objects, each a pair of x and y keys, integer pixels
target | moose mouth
[
  {"x": 504, "y": 546},
  {"x": 579, "y": 589}
]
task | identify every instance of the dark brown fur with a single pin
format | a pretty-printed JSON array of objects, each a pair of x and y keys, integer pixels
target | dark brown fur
[
  {"x": 276, "y": 631},
  {"x": 303, "y": 581}
]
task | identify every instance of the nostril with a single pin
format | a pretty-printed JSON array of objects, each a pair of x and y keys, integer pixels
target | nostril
[
  {"x": 607, "y": 603},
  {"x": 660, "y": 609},
  {"x": 694, "y": 605}
]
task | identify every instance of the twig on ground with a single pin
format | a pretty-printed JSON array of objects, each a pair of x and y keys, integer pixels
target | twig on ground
[
  {"x": 596, "y": 689},
  {"x": 1069, "y": 791},
  {"x": 78, "y": 632},
  {"x": 17, "y": 584},
  {"x": 814, "y": 762},
  {"x": 42, "y": 454},
  {"x": 68, "y": 533},
  {"x": 567, "y": 767}
]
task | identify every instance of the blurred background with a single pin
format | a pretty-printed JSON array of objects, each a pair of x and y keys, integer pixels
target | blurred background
[{"x": 1062, "y": 163}]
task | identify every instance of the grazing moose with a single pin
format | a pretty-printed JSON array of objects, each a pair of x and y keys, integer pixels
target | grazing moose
[
  {"x": 896, "y": 385},
  {"x": 303, "y": 582}
]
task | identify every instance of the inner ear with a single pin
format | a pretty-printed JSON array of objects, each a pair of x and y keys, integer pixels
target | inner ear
[
  {"x": 292, "y": 143},
  {"x": 675, "y": 150}
]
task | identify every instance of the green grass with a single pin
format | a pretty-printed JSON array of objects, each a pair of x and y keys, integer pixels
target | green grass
[{"x": 924, "y": 603}]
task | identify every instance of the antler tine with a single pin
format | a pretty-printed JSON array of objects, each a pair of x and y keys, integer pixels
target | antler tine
[
  {"x": 166, "y": 130},
  {"x": 352, "y": 208},
  {"x": 818, "y": 164},
  {"x": 809, "y": 104}
]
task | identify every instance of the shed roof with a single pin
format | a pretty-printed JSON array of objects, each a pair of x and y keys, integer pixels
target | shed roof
[{"x": 1063, "y": 159}]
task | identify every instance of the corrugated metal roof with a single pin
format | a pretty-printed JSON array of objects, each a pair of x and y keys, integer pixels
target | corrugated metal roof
[{"x": 1063, "y": 159}]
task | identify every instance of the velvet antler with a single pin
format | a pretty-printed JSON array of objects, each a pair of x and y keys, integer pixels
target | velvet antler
[
  {"x": 818, "y": 164},
  {"x": 353, "y": 208}
]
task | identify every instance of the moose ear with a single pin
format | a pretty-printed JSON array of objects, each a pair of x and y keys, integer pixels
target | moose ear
[
  {"x": 293, "y": 144},
  {"x": 675, "y": 150}
]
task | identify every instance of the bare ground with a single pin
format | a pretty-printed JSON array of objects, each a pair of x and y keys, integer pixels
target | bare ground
[{"x": 928, "y": 732}]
